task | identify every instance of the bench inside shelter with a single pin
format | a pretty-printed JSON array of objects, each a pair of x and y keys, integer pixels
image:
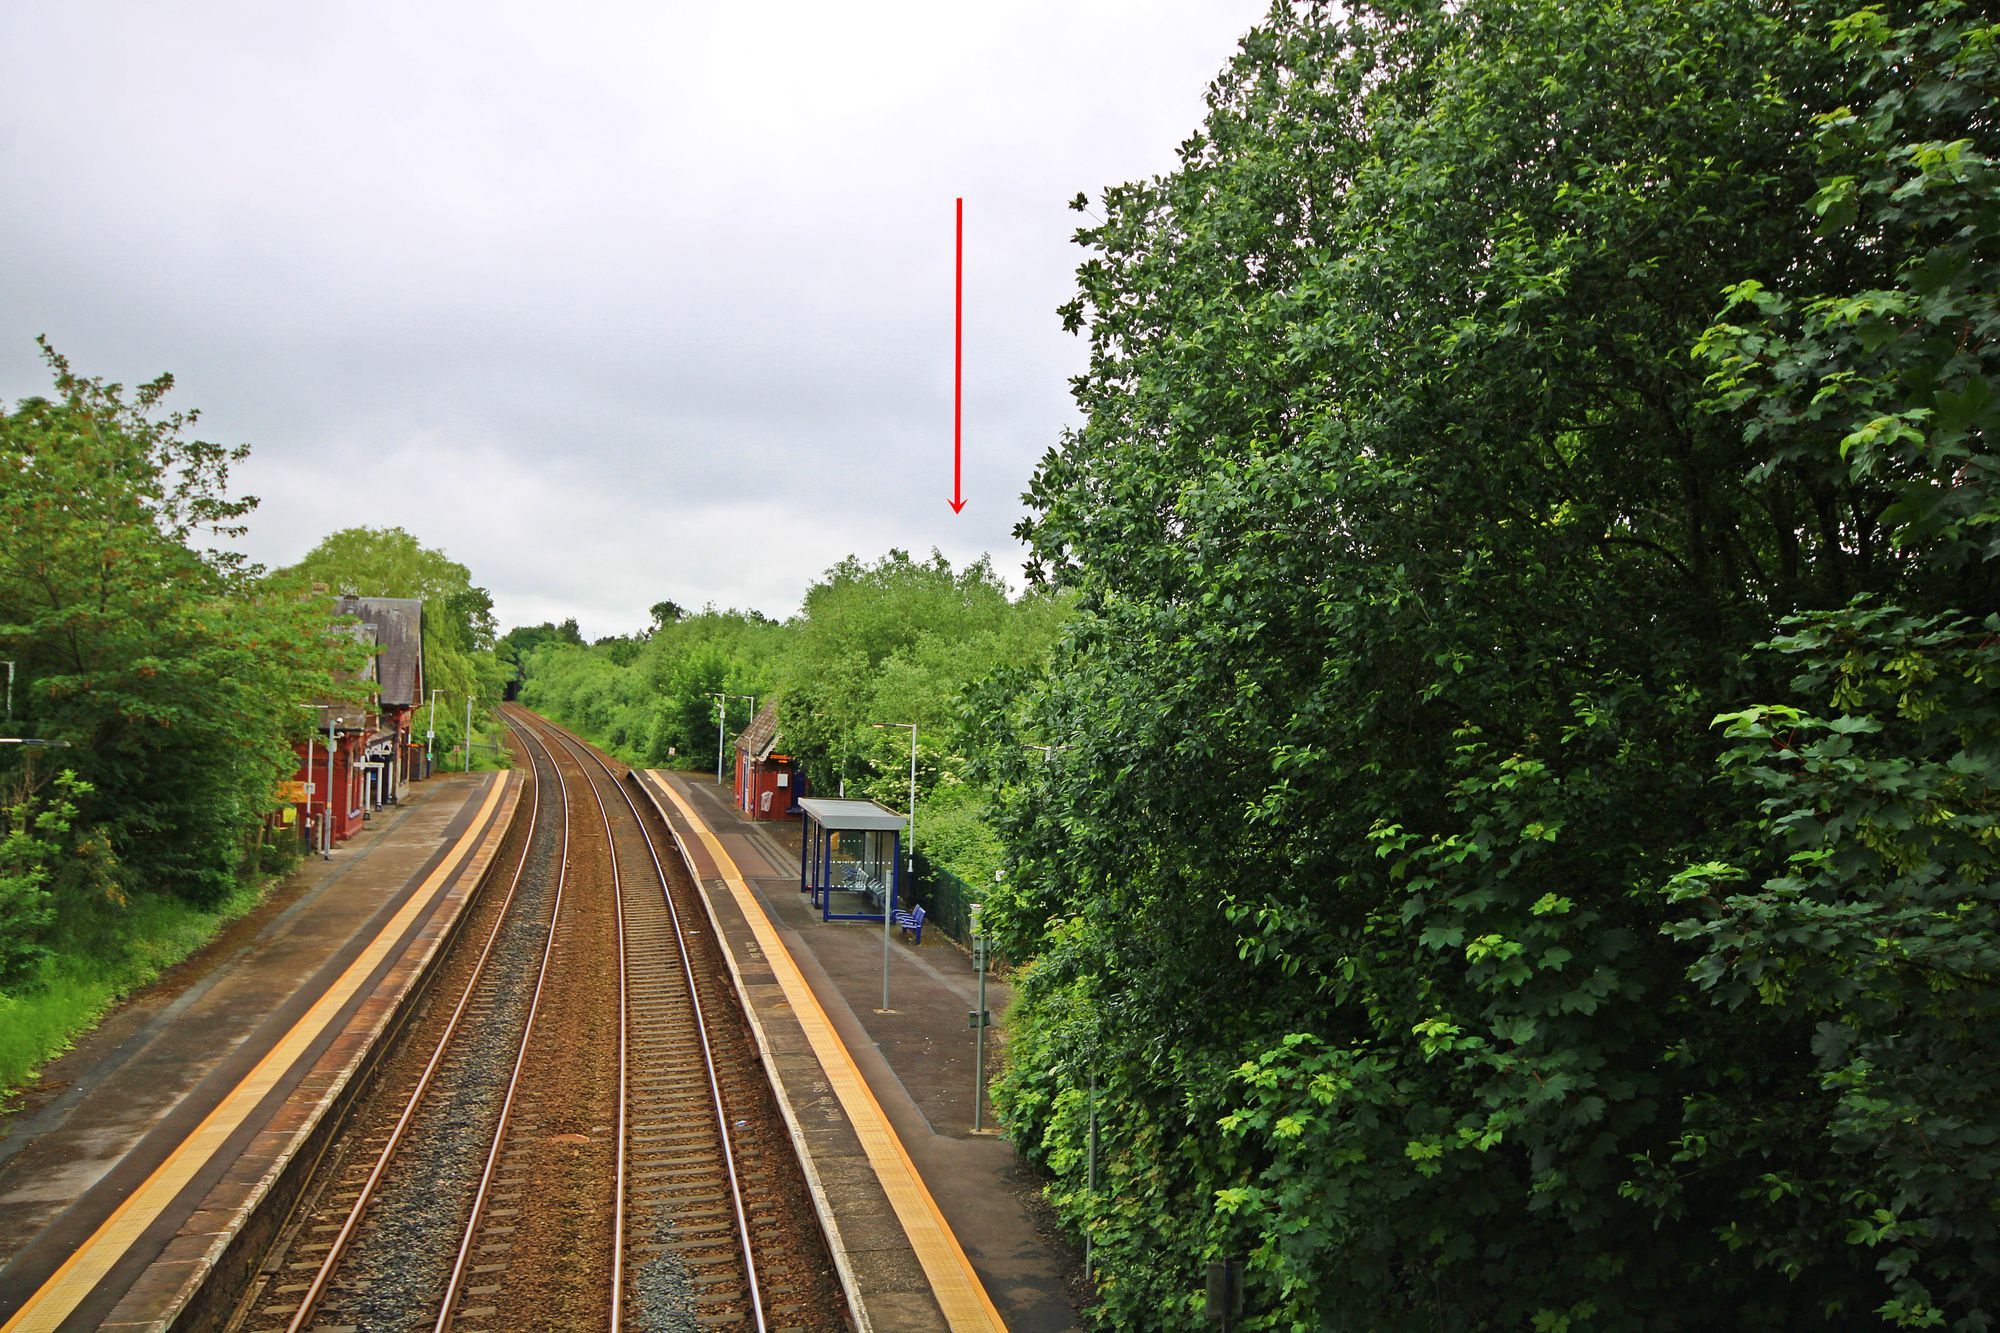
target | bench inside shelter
[{"x": 850, "y": 858}]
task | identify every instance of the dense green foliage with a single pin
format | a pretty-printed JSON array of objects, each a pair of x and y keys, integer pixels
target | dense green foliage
[
  {"x": 168, "y": 675},
  {"x": 107, "y": 955},
  {"x": 1497, "y": 871},
  {"x": 894, "y": 640},
  {"x": 650, "y": 698},
  {"x": 167, "y": 670},
  {"x": 518, "y": 644}
]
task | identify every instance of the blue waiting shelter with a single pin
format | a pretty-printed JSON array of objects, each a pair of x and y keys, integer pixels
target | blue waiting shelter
[{"x": 850, "y": 858}]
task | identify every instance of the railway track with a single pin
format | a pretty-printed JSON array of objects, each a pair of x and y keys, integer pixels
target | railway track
[{"x": 585, "y": 1138}]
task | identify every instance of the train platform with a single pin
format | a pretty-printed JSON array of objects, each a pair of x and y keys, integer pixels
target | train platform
[
  {"x": 164, "y": 1150},
  {"x": 933, "y": 1225}
]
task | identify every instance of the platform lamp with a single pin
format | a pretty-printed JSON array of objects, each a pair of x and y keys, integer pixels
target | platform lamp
[
  {"x": 431, "y": 731},
  {"x": 314, "y": 709},
  {"x": 468, "y": 731},
  {"x": 889, "y": 898},
  {"x": 721, "y": 720},
  {"x": 326, "y": 804}
]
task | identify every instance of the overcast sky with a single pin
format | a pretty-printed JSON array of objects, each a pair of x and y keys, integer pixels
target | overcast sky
[{"x": 612, "y": 303}]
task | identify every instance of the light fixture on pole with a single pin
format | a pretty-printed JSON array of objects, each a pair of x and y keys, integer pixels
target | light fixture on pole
[
  {"x": 721, "y": 719},
  {"x": 431, "y": 731},
  {"x": 982, "y": 1018},
  {"x": 889, "y": 897},
  {"x": 308, "y": 783},
  {"x": 326, "y": 832}
]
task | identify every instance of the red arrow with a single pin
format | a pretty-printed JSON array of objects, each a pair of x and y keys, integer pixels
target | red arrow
[{"x": 958, "y": 376}]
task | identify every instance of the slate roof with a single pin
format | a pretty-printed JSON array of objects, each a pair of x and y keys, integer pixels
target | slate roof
[
  {"x": 349, "y": 715},
  {"x": 761, "y": 736},
  {"x": 399, "y": 628}
]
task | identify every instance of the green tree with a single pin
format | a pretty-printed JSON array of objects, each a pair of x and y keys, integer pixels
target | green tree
[
  {"x": 166, "y": 669},
  {"x": 1413, "y": 562},
  {"x": 1853, "y": 904}
]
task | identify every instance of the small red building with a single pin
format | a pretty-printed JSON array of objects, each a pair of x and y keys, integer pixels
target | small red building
[{"x": 767, "y": 784}]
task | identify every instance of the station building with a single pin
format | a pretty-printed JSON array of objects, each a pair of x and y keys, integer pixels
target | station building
[
  {"x": 363, "y": 755},
  {"x": 768, "y": 784}
]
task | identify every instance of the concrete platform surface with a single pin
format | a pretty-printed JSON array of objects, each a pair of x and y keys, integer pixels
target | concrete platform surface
[
  {"x": 149, "y": 1155},
  {"x": 917, "y": 1062}
]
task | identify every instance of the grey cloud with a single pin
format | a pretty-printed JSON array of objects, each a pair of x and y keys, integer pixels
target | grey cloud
[{"x": 622, "y": 305}]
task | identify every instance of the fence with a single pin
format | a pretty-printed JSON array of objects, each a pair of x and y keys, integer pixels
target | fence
[{"x": 947, "y": 899}]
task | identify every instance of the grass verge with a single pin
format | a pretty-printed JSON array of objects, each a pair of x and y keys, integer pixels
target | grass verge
[{"x": 81, "y": 980}]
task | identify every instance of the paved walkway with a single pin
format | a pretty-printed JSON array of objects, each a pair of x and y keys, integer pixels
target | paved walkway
[
  {"x": 917, "y": 1059},
  {"x": 134, "y": 1169}
]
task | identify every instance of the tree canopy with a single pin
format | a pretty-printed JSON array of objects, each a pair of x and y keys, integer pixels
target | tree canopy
[
  {"x": 165, "y": 668},
  {"x": 1494, "y": 869},
  {"x": 895, "y": 639}
]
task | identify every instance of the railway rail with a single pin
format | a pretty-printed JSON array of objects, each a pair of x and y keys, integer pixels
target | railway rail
[{"x": 585, "y": 1138}]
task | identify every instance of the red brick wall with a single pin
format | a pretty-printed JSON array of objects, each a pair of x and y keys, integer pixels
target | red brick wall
[{"x": 755, "y": 780}]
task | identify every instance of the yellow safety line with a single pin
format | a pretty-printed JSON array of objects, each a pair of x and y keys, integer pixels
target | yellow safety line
[
  {"x": 953, "y": 1281},
  {"x": 85, "y": 1268}
]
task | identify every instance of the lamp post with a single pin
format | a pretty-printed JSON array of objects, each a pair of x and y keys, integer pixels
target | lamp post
[
  {"x": 721, "y": 717},
  {"x": 468, "y": 731},
  {"x": 326, "y": 832},
  {"x": 430, "y": 733},
  {"x": 980, "y": 1017},
  {"x": 314, "y": 709},
  {"x": 889, "y": 897}
]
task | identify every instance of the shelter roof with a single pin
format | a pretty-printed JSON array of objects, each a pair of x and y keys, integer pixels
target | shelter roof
[
  {"x": 399, "y": 628},
  {"x": 761, "y": 736},
  {"x": 836, "y": 813}
]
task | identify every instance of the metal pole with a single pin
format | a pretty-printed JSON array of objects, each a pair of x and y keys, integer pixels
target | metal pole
[
  {"x": 10, "y": 691},
  {"x": 1090, "y": 1170},
  {"x": 979, "y": 1019},
  {"x": 326, "y": 822},
  {"x": 468, "y": 731},
  {"x": 310, "y": 738},
  {"x": 913, "y": 806},
  {"x": 888, "y": 924},
  {"x": 315, "y": 709},
  {"x": 430, "y": 732},
  {"x": 721, "y": 719}
]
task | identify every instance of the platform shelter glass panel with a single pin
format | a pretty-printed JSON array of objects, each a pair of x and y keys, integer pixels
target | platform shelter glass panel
[{"x": 850, "y": 858}]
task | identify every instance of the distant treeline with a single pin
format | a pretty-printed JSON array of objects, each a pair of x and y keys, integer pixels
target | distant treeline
[{"x": 892, "y": 640}]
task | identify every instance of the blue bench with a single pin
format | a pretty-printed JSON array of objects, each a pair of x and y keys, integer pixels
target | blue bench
[{"x": 912, "y": 923}]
